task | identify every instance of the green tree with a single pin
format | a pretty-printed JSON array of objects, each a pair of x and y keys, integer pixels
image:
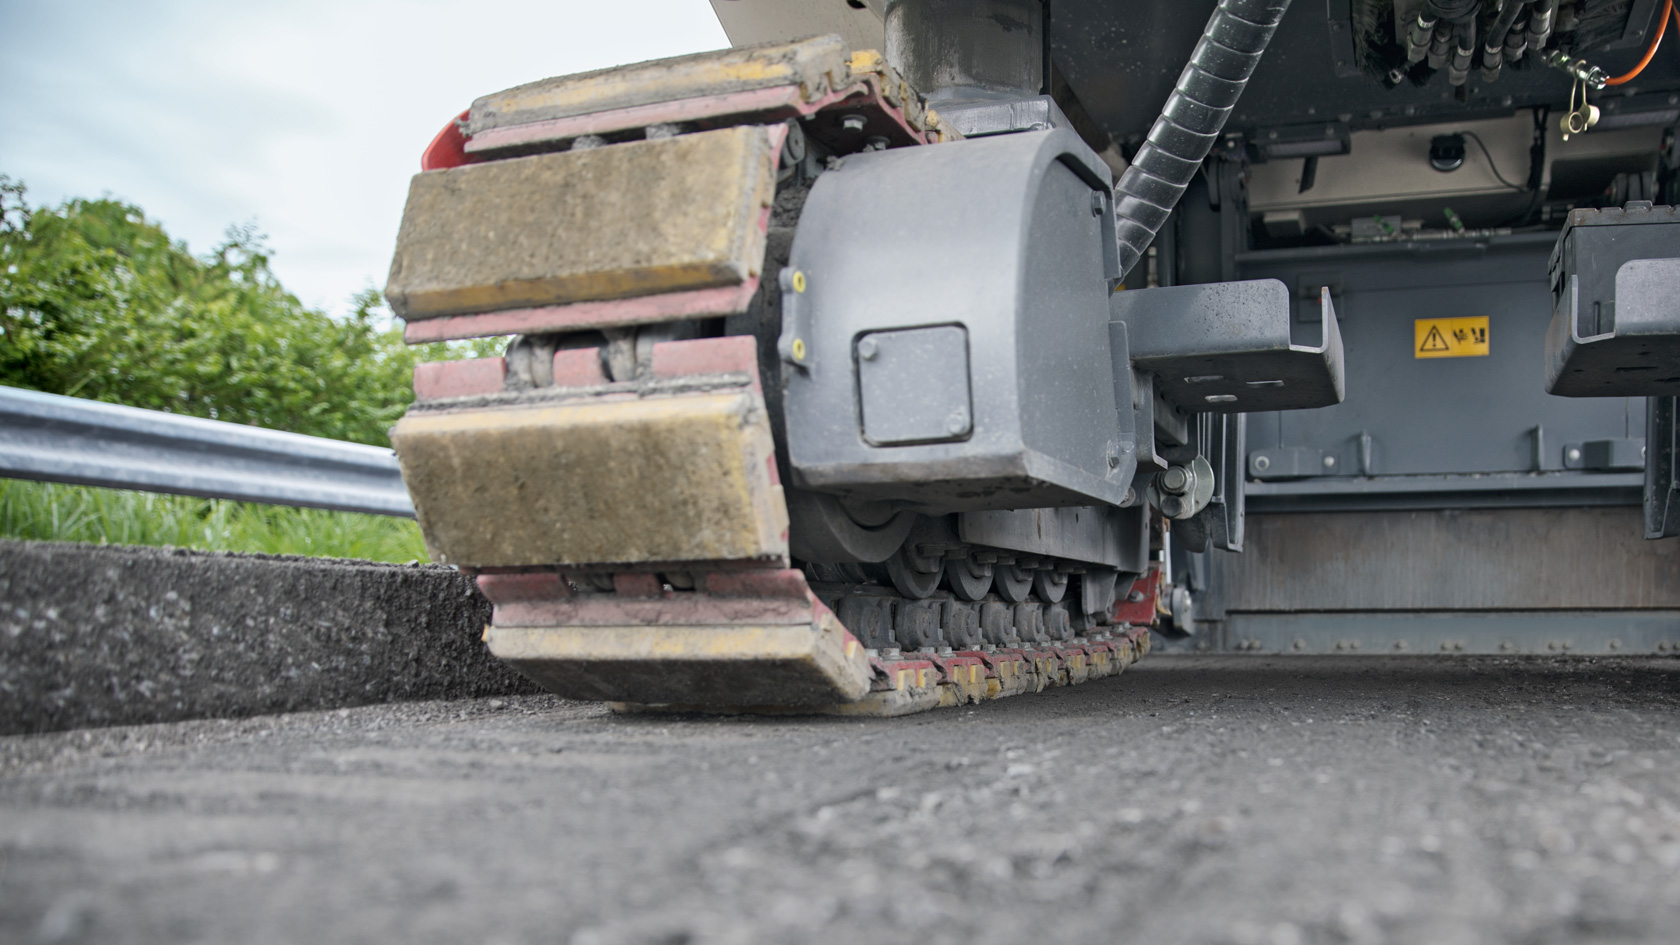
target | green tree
[{"x": 97, "y": 301}]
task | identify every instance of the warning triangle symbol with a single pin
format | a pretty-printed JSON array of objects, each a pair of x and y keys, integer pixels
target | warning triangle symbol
[{"x": 1434, "y": 341}]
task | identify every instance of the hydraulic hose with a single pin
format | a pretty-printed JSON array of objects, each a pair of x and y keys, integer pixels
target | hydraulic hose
[
  {"x": 1502, "y": 23},
  {"x": 1190, "y": 122}
]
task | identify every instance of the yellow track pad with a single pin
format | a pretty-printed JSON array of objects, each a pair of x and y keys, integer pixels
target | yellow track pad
[
  {"x": 799, "y": 665},
  {"x": 679, "y": 478},
  {"x": 607, "y": 223}
]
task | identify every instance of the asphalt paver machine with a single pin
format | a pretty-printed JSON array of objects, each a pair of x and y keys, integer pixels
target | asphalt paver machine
[{"x": 913, "y": 353}]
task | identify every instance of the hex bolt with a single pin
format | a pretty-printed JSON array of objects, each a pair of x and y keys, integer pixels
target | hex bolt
[
  {"x": 1172, "y": 506},
  {"x": 1176, "y": 480},
  {"x": 957, "y": 422},
  {"x": 852, "y": 124},
  {"x": 867, "y": 349}
]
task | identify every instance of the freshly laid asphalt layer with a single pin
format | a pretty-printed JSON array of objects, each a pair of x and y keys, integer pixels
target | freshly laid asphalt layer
[
  {"x": 97, "y": 635},
  {"x": 1217, "y": 799}
]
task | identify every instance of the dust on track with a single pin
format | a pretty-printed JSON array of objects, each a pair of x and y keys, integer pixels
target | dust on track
[{"x": 1193, "y": 799}]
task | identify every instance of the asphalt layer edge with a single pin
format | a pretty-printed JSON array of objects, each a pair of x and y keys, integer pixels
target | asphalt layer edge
[{"x": 102, "y": 635}]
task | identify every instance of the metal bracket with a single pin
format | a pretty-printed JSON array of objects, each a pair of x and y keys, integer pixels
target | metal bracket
[
  {"x": 1638, "y": 355},
  {"x": 794, "y": 345},
  {"x": 1291, "y": 462},
  {"x": 1226, "y": 347},
  {"x": 1615, "y": 329},
  {"x": 1604, "y": 455}
]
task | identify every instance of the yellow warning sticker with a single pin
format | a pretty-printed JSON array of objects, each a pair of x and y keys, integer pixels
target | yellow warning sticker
[{"x": 1450, "y": 337}]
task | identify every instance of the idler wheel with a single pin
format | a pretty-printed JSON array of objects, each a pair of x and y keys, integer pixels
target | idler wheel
[
  {"x": 1051, "y": 586},
  {"x": 968, "y": 579},
  {"x": 1013, "y": 582}
]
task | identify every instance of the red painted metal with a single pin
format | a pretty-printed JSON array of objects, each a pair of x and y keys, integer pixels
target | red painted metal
[
  {"x": 448, "y": 148},
  {"x": 579, "y": 367},
  {"x": 637, "y": 584},
  {"x": 612, "y": 313},
  {"x": 734, "y": 354},
  {"x": 469, "y": 378},
  {"x": 525, "y": 586},
  {"x": 1140, "y": 612},
  {"x": 781, "y": 583}
]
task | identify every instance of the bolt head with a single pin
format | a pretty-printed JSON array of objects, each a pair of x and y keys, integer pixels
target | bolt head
[
  {"x": 1175, "y": 479},
  {"x": 1262, "y": 463},
  {"x": 852, "y": 124},
  {"x": 868, "y": 348},
  {"x": 1172, "y": 506},
  {"x": 957, "y": 422}
]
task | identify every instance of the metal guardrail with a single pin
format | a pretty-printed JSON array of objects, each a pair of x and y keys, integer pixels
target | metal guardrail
[{"x": 51, "y": 438}]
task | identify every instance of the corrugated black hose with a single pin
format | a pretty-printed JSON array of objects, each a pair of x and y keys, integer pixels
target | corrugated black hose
[{"x": 1190, "y": 122}]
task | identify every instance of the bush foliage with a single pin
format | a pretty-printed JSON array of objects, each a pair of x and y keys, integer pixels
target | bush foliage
[{"x": 97, "y": 301}]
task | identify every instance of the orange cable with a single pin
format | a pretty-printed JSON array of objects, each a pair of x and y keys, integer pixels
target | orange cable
[{"x": 1662, "y": 26}]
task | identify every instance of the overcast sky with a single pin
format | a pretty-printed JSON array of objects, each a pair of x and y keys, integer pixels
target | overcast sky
[{"x": 303, "y": 116}]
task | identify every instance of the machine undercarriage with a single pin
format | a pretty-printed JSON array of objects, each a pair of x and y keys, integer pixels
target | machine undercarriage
[{"x": 832, "y": 394}]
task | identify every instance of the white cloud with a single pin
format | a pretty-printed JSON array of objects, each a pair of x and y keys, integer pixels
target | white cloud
[{"x": 306, "y": 117}]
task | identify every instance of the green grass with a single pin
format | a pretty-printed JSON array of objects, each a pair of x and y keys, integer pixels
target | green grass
[{"x": 44, "y": 511}]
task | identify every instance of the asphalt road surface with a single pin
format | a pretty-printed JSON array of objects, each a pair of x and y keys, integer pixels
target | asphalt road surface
[{"x": 1193, "y": 799}]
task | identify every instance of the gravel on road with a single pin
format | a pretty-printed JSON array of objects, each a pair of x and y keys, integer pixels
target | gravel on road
[{"x": 1242, "y": 800}]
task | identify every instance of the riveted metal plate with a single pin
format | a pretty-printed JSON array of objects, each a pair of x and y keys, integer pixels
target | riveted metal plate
[{"x": 913, "y": 385}]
